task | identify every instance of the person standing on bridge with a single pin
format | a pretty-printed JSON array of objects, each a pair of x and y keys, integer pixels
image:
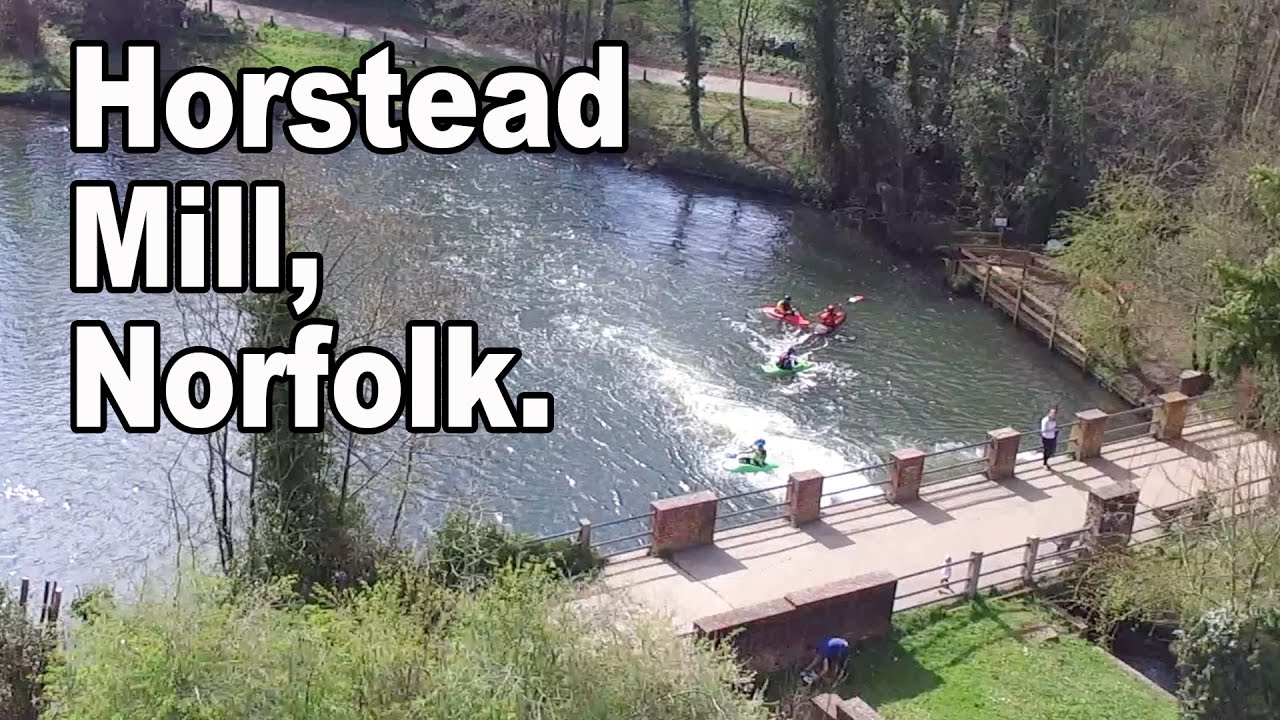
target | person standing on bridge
[{"x": 1049, "y": 433}]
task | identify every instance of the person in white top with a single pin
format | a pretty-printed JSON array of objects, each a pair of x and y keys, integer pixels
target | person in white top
[{"x": 1049, "y": 433}]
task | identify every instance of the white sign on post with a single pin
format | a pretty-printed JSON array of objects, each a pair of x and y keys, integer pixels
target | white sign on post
[{"x": 1002, "y": 222}]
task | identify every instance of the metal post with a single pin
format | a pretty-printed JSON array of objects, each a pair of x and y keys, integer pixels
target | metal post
[
  {"x": 1029, "y": 560},
  {"x": 975, "y": 570},
  {"x": 23, "y": 591}
]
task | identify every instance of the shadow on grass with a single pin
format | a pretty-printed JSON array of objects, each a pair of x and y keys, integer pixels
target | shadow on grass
[{"x": 890, "y": 670}]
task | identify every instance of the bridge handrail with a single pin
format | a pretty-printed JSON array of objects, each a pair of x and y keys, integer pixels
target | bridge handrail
[{"x": 1110, "y": 432}]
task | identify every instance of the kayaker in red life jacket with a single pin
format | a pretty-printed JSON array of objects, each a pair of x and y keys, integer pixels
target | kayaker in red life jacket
[
  {"x": 831, "y": 316},
  {"x": 785, "y": 308}
]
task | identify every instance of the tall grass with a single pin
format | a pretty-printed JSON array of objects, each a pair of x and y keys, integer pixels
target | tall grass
[{"x": 518, "y": 649}]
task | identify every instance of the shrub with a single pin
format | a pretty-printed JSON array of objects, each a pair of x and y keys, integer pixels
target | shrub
[
  {"x": 1230, "y": 666},
  {"x": 468, "y": 551},
  {"x": 520, "y": 648},
  {"x": 24, "y": 648}
]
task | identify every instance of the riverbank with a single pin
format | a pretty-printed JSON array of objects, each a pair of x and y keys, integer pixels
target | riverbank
[{"x": 660, "y": 137}]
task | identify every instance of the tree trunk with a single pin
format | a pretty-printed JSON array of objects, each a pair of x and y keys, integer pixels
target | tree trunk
[
  {"x": 1242, "y": 69},
  {"x": 586, "y": 32},
  {"x": 827, "y": 67},
  {"x": 692, "y": 63},
  {"x": 745, "y": 20},
  {"x": 952, "y": 39},
  {"x": 606, "y": 19},
  {"x": 562, "y": 41}
]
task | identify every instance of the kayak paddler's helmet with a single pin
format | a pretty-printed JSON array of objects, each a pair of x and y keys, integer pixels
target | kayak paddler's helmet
[
  {"x": 786, "y": 298},
  {"x": 760, "y": 444}
]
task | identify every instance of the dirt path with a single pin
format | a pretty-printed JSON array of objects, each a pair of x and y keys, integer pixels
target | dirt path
[{"x": 258, "y": 14}]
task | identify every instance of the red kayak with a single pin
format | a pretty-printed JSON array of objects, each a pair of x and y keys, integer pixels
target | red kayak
[
  {"x": 795, "y": 319},
  {"x": 830, "y": 325}
]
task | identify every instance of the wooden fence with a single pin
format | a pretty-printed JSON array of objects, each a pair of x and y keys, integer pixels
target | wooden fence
[
  {"x": 50, "y": 602},
  {"x": 983, "y": 267}
]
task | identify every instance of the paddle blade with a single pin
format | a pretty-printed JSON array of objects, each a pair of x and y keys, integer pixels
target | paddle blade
[{"x": 857, "y": 298}]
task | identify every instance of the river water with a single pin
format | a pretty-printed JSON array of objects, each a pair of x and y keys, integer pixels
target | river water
[{"x": 634, "y": 298}]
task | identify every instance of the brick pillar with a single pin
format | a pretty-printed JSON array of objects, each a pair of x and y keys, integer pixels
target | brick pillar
[
  {"x": 1171, "y": 415},
  {"x": 681, "y": 522},
  {"x": 829, "y": 706},
  {"x": 804, "y": 497},
  {"x": 904, "y": 475},
  {"x": 1002, "y": 453},
  {"x": 1108, "y": 519},
  {"x": 1087, "y": 434},
  {"x": 1193, "y": 383}
]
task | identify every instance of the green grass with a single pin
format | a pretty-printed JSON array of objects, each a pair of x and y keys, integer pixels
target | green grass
[{"x": 974, "y": 663}]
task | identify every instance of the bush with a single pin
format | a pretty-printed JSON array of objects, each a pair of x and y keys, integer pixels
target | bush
[
  {"x": 1230, "y": 666},
  {"x": 518, "y": 649},
  {"x": 119, "y": 20},
  {"x": 24, "y": 649},
  {"x": 467, "y": 552}
]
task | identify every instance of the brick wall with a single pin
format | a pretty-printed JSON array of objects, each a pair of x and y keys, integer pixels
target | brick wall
[{"x": 785, "y": 632}]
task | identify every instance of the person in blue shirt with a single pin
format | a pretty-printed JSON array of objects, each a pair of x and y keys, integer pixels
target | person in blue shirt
[{"x": 833, "y": 653}]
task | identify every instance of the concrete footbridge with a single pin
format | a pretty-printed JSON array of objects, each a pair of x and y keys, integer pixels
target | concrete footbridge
[{"x": 928, "y": 527}]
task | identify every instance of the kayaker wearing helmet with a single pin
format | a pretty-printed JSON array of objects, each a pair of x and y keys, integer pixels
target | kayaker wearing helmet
[
  {"x": 788, "y": 359},
  {"x": 755, "y": 455},
  {"x": 831, "y": 316},
  {"x": 785, "y": 308}
]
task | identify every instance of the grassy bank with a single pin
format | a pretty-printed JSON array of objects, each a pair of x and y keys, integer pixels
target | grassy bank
[
  {"x": 660, "y": 133},
  {"x": 996, "y": 660}
]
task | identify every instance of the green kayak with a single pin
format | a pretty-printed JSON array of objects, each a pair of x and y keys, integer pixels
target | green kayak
[
  {"x": 737, "y": 466},
  {"x": 775, "y": 371}
]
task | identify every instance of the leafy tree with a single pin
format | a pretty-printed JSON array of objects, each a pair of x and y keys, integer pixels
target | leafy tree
[
  {"x": 1117, "y": 239},
  {"x": 1245, "y": 323}
]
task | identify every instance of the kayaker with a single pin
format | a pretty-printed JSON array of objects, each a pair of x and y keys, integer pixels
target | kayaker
[
  {"x": 755, "y": 455},
  {"x": 830, "y": 316},
  {"x": 785, "y": 308},
  {"x": 788, "y": 359}
]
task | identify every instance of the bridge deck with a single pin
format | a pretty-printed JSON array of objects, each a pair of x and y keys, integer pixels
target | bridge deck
[{"x": 767, "y": 560}]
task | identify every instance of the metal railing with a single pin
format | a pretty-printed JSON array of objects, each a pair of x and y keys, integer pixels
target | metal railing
[
  {"x": 1033, "y": 565},
  {"x": 759, "y": 505}
]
